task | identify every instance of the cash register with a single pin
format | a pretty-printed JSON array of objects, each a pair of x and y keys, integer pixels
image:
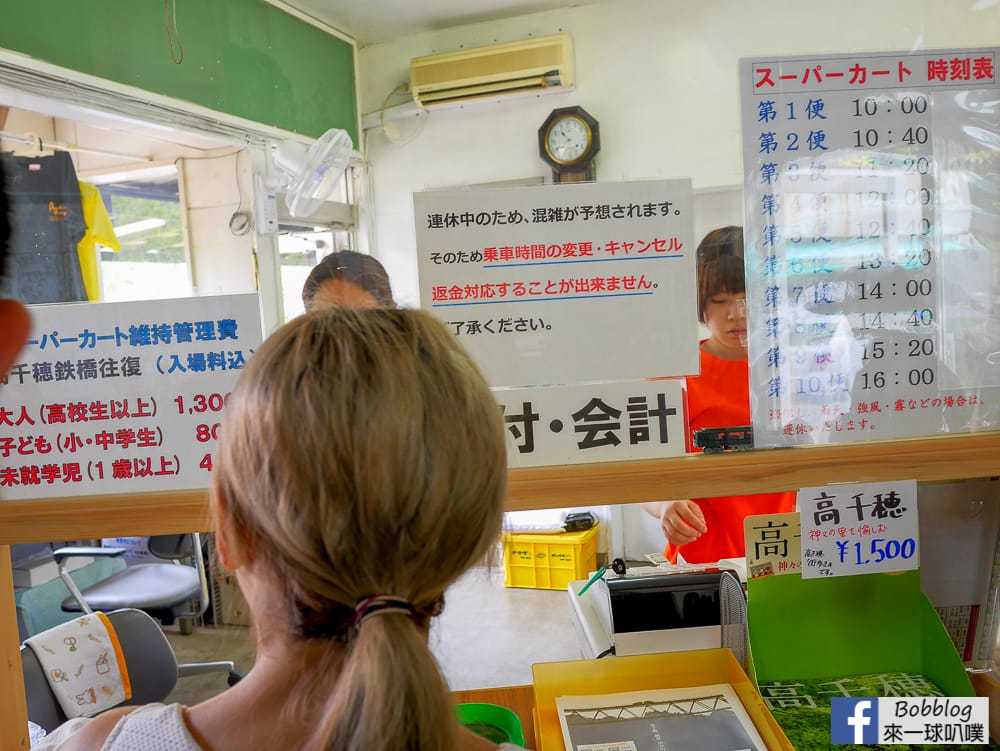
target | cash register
[{"x": 667, "y": 608}]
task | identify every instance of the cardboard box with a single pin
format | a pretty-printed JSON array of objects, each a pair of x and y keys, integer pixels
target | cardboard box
[
  {"x": 645, "y": 672},
  {"x": 960, "y": 563},
  {"x": 827, "y": 629},
  {"x": 231, "y": 606},
  {"x": 36, "y": 572}
]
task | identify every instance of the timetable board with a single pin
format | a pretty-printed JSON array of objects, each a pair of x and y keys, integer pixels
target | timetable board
[{"x": 872, "y": 225}]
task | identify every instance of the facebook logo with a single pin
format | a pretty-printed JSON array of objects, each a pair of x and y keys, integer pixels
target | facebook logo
[{"x": 853, "y": 720}]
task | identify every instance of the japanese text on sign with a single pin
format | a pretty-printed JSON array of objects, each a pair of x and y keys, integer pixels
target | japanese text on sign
[
  {"x": 773, "y": 544},
  {"x": 593, "y": 423},
  {"x": 130, "y": 401},
  {"x": 859, "y": 529},
  {"x": 863, "y": 175},
  {"x": 937, "y": 69},
  {"x": 529, "y": 254}
]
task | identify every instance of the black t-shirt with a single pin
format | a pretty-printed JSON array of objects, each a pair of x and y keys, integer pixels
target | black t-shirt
[{"x": 47, "y": 224}]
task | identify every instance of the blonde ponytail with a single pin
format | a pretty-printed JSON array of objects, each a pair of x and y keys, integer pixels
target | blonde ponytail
[
  {"x": 390, "y": 695},
  {"x": 362, "y": 454}
]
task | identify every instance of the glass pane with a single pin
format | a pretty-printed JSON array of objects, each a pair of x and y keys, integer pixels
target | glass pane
[
  {"x": 152, "y": 262},
  {"x": 301, "y": 248}
]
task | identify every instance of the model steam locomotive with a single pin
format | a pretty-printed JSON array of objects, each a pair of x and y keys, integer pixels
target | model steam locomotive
[{"x": 717, "y": 440}]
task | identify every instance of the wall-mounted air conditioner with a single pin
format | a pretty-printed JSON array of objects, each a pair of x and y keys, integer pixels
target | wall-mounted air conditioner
[{"x": 532, "y": 66}]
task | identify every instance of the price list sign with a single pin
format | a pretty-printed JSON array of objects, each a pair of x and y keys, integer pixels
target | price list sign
[
  {"x": 873, "y": 232},
  {"x": 859, "y": 529},
  {"x": 122, "y": 397}
]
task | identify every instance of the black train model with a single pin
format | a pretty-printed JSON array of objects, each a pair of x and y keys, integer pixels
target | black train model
[{"x": 716, "y": 440}]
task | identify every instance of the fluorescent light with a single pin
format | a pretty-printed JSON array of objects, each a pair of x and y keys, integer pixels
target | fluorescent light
[
  {"x": 142, "y": 225},
  {"x": 151, "y": 173}
]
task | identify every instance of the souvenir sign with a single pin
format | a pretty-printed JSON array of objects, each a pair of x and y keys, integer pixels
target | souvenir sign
[
  {"x": 773, "y": 544},
  {"x": 860, "y": 528}
]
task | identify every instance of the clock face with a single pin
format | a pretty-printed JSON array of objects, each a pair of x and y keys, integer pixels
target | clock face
[{"x": 568, "y": 139}]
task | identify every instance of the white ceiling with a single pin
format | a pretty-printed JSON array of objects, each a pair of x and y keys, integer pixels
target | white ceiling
[{"x": 373, "y": 21}]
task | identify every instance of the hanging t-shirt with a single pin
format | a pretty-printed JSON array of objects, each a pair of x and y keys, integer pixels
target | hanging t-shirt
[
  {"x": 47, "y": 224},
  {"x": 99, "y": 230}
]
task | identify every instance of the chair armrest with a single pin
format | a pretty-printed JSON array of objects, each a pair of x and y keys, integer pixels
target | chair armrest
[
  {"x": 63, "y": 555},
  {"x": 92, "y": 552}
]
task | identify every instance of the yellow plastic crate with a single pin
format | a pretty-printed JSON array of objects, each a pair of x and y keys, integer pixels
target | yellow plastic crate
[{"x": 548, "y": 561}]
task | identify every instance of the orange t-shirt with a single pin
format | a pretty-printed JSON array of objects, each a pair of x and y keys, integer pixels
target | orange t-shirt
[{"x": 720, "y": 397}]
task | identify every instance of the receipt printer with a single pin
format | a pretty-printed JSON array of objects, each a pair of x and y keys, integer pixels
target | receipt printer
[{"x": 675, "y": 611}]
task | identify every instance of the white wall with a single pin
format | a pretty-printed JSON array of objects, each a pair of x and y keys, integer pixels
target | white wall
[
  {"x": 221, "y": 262},
  {"x": 660, "y": 77}
]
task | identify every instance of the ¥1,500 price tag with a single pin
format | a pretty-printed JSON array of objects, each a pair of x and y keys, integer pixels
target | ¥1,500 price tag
[{"x": 859, "y": 528}]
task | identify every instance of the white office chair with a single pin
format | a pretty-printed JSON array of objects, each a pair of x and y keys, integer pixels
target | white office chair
[{"x": 166, "y": 591}]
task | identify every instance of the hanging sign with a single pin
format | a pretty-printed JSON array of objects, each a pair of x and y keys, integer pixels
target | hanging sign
[
  {"x": 870, "y": 184},
  {"x": 122, "y": 397},
  {"x": 559, "y": 284},
  {"x": 593, "y": 423}
]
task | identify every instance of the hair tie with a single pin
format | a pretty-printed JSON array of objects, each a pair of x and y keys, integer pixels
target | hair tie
[{"x": 376, "y": 604}]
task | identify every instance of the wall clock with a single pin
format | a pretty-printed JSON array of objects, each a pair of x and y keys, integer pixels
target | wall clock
[{"x": 568, "y": 140}]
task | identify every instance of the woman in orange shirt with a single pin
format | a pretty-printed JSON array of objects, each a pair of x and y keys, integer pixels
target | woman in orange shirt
[{"x": 704, "y": 530}]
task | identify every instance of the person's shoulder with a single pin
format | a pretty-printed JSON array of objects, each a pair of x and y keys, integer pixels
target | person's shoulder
[
  {"x": 104, "y": 731},
  {"x": 90, "y": 735}
]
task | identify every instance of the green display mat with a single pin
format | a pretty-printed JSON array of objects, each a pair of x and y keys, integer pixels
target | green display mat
[{"x": 802, "y": 707}]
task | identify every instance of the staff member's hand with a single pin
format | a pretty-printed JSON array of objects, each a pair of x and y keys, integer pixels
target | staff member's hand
[{"x": 682, "y": 521}]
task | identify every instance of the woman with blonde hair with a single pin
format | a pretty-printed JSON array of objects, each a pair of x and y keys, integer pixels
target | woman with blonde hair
[{"x": 360, "y": 471}]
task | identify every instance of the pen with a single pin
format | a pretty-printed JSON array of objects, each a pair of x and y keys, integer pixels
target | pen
[{"x": 597, "y": 575}]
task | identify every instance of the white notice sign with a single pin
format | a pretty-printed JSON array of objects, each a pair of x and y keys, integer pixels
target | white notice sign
[
  {"x": 859, "y": 528},
  {"x": 122, "y": 397},
  {"x": 593, "y": 423},
  {"x": 564, "y": 283}
]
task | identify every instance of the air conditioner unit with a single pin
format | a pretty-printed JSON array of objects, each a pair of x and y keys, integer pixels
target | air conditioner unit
[{"x": 531, "y": 66}]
